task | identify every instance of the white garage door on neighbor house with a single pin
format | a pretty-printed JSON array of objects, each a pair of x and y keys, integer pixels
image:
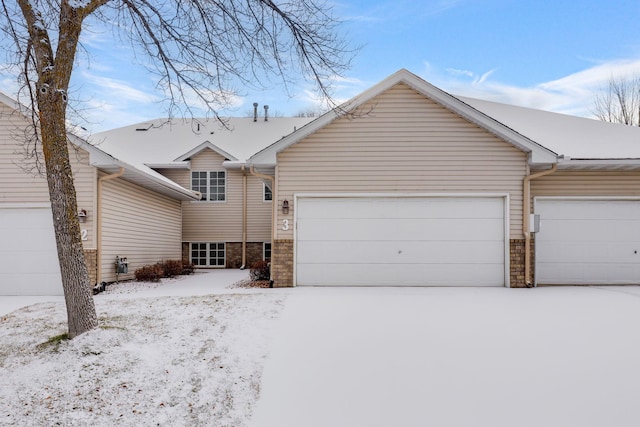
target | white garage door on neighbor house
[
  {"x": 588, "y": 242},
  {"x": 400, "y": 241},
  {"x": 28, "y": 255}
]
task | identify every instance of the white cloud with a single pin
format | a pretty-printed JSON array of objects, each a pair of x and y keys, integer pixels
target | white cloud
[{"x": 572, "y": 94}]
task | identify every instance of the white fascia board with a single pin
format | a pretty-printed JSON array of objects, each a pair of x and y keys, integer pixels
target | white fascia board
[
  {"x": 173, "y": 165},
  {"x": 584, "y": 164}
]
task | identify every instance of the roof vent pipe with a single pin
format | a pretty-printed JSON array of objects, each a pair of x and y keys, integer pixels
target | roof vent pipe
[
  {"x": 266, "y": 113},
  {"x": 255, "y": 111}
]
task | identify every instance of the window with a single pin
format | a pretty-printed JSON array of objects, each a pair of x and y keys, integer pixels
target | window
[
  {"x": 266, "y": 251},
  {"x": 211, "y": 184},
  {"x": 208, "y": 254},
  {"x": 267, "y": 194}
]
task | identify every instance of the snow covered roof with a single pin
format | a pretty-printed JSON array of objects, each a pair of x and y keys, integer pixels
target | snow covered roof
[
  {"x": 537, "y": 153},
  {"x": 568, "y": 136},
  {"x": 547, "y": 137},
  {"x": 164, "y": 143},
  {"x": 138, "y": 174}
]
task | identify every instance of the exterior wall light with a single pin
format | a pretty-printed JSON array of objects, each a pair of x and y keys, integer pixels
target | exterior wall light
[
  {"x": 82, "y": 215},
  {"x": 285, "y": 207}
]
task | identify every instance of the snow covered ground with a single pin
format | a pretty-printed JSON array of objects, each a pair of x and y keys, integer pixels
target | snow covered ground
[
  {"x": 191, "y": 352},
  {"x": 159, "y": 358},
  {"x": 497, "y": 357}
]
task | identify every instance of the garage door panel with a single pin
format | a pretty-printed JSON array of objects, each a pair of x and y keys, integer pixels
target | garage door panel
[
  {"x": 576, "y": 252},
  {"x": 400, "y": 241},
  {"x": 398, "y": 275},
  {"x": 592, "y": 274},
  {"x": 388, "y": 208},
  {"x": 588, "y": 242},
  {"x": 392, "y": 229},
  {"x": 28, "y": 254},
  {"x": 591, "y": 230},
  {"x": 591, "y": 209},
  {"x": 400, "y": 252}
]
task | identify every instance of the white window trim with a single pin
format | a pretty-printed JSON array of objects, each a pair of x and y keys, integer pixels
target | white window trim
[
  {"x": 226, "y": 186},
  {"x": 208, "y": 259},
  {"x": 264, "y": 190}
]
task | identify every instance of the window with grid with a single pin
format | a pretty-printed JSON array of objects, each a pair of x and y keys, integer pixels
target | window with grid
[
  {"x": 266, "y": 251},
  {"x": 211, "y": 184},
  {"x": 267, "y": 194},
  {"x": 210, "y": 254}
]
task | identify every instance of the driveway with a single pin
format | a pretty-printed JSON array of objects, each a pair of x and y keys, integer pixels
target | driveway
[{"x": 566, "y": 356}]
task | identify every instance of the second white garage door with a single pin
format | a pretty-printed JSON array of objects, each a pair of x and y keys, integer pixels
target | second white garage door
[
  {"x": 588, "y": 242},
  {"x": 28, "y": 255},
  {"x": 400, "y": 241}
]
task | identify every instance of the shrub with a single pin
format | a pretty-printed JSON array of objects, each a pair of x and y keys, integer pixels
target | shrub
[
  {"x": 187, "y": 268},
  {"x": 172, "y": 268},
  {"x": 150, "y": 273},
  {"x": 260, "y": 270}
]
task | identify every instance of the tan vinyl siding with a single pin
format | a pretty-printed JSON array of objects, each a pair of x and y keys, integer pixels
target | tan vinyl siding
[
  {"x": 407, "y": 143},
  {"x": 258, "y": 212},
  {"x": 19, "y": 187},
  {"x": 587, "y": 183},
  {"x": 139, "y": 224},
  {"x": 213, "y": 221}
]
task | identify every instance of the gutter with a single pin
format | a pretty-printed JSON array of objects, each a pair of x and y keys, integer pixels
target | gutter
[
  {"x": 526, "y": 191},
  {"x": 244, "y": 219},
  {"x": 99, "y": 222},
  {"x": 274, "y": 212}
]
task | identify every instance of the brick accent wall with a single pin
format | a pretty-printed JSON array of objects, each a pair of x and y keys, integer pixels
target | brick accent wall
[
  {"x": 91, "y": 258},
  {"x": 282, "y": 263},
  {"x": 254, "y": 253},
  {"x": 234, "y": 254},
  {"x": 516, "y": 254},
  {"x": 186, "y": 249}
]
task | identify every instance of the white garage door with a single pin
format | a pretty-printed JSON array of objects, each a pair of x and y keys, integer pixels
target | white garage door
[
  {"x": 436, "y": 241},
  {"x": 28, "y": 257},
  {"x": 588, "y": 242}
]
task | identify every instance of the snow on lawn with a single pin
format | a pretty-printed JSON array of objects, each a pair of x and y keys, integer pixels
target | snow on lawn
[{"x": 169, "y": 361}]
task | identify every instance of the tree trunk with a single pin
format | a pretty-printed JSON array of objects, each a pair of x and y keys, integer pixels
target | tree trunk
[{"x": 81, "y": 312}]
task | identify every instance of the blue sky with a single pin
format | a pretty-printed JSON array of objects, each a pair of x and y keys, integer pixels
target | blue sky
[{"x": 540, "y": 54}]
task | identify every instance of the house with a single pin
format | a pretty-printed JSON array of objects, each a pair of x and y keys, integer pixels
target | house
[
  {"x": 230, "y": 225},
  {"x": 146, "y": 192},
  {"x": 125, "y": 211},
  {"x": 409, "y": 185},
  {"x": 404, "y": 185}
]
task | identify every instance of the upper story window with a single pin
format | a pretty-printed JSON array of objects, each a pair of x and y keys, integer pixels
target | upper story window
[
  {"x": 267, "y": 194},
  {"x": 211, "y": 184}
]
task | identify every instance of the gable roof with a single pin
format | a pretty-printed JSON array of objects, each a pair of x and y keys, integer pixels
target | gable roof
[
  {"x": 142, "y": 176},
  {"x": 537, "y": 153},
  {"x": 204, "y": 146},
  {"x": 164, "y": 143},
  {"x": 576, "y": 138}
]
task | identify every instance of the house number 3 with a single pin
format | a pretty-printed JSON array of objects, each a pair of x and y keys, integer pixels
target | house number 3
[{"x": 285, "y": 224}]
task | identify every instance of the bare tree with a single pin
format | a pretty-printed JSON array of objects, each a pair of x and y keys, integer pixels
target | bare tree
[
  {"x": 197, "y": 48},
  {"x": 619, "y": 101}
]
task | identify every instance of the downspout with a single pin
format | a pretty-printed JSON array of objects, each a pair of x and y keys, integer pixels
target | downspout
[
  {"x": 273, "y": 215},
  {"x": 244, "y": 219},
  {"x": 526, "y": 190},
  {"x": 99, "y": 222}
]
